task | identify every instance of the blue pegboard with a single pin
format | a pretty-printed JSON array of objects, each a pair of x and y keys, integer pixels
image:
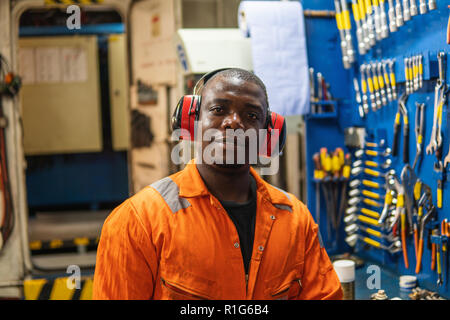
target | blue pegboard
[{"x": 423, "y": 34}]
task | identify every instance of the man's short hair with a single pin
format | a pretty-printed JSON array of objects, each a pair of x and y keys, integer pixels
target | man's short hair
[{"x": 245, "y": 75}]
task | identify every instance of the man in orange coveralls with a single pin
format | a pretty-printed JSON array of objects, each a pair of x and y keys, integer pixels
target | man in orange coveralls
[{"x": 215, "y": 231}]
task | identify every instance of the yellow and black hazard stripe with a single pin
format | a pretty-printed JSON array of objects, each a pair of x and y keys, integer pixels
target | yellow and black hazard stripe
[
  {"x": 57, "y": 289},
  {"x": 69, "y": 2},
  {"x": 62, "y": 244}
]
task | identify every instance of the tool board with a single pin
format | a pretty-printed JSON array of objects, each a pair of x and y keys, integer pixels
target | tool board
[{"x": 423, "y": 34}]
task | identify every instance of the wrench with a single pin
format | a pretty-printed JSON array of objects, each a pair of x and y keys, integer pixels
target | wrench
[
  {"x": 406, "y": 12},
  {"x": 377, "y": 70},
  {"x": 383, "y": 21},
  {"x": 392, "y": 18},
  {"x": 386, "y": 81},
  {"x": 398, "y": 14},
  {"x": 392, "y": 78},
  {"x": 423, "y": 7},
  {"x": 442, "y": 88},
  {"x": 413, "y": 8}
]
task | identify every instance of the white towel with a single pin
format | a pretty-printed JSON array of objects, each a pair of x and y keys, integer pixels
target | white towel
[{"x": 277, "y": 32}]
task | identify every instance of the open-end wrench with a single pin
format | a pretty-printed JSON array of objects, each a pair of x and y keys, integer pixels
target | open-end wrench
[
  {"x": 413, "y": 8},
  {"x": 376, "y": 19},
  {"x": 392, "y": 18},
  {"x": 398, "y": 14},
  {"x": 442, "y": 97},
  {"x": 406, "y": 12},
  {"x": 383, "y": 21},
  {"x": 376, "y": 66},
  {"x": 432, "y": 146},
  {"x": 423, "y": 6},
  {"x": 347, "y": 31},
  {"x": 419, "y": 126},
  {"x": 371, "y": 73},
  {"x": 365, "y": 68},
  {"x": 359, "y": 29},
  {"x": 370, "y": 23},
  {"x": 386, "y": 80},
  {"x": 392, "y": 78},
  {"x": 340, "y": 26}
]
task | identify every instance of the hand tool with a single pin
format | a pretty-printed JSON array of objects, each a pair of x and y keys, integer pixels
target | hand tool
[
  {"x": 401, "y": 212},
  {"x": 325, "y": 162},
  {"x": 370, "y": 194},
  {"x": 431, "y": 4},
  {"x": 376, "y": 67},
  {"x": 406, "y": 12},
  {"x": 420, "y": 61},
  {"x": 367, "y": 212},
  {"x": 318, "y": 176},
  {"x": 415, "y": 64},
  {"x": 392, "y": 18},
  {"x": 370, "y": 22},
  {"x": 376, "y": 19},
  {"x": 372, "y": 184},
  {"x": 319, "y": 87},
  {"x": 401, "y": 111},
  {"x": 388, "y": 200},
  {"x": 413, "y": 8},
  {"x": 392, "y": 78},
  {"x": 426, "y": 203},
  {"x": 359, "y": 101},
  {"x": 386, "y": 164},
  {"x": 434, "y": 232},
  {"x": 386, "y": 81},
  {"x": 357, "y": 200},
  {"x": 362, "y": 14},
  {"x": 340, "y": 26},
  {"x": 359, "y": 28},
  {"x": 373, "y": 153},
  {"x": 407, "y": 80},
  {"x": 442, "y": 89},
  {"x": 367, "y": 82},
  {"x": 383, "y": 21},
  {"x": 365, "y": 100},
  {"x": 354, "y": 228},
  {"x": 445, "y": 234},
  {"x": 312, "y": 88},
  {"x": 347, "y": 31},
  {"x": 346, "y": 177},
  {"x": 423, "y": 7},
  {"x": 409, "y": 181},
  {"x": 438, "y": 258},
  {"x": 418, "y": 129},
  {"x": 376, "y": 87},
  {"x": 393, "y": 248},
  {"x": 374, "y": 94},
  {"x": 398, "y": 14}
]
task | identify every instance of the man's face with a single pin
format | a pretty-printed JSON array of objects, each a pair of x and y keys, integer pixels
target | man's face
[{"x": 230, "y": 104}]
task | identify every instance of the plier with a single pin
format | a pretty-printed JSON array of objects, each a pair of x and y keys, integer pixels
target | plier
[
  {"x": 401, "y": 111},
  {"x": 425, "y": 204},
  {"x": 419, "y": 124}
]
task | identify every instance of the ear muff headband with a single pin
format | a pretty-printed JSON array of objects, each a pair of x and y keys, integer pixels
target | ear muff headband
[{"x": 188, "y": 110}]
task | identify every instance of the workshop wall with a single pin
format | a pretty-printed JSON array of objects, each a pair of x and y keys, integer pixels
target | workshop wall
[{"x": 423, "y": 34}]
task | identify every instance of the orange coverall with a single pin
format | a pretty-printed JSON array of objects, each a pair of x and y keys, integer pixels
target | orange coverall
[{"x": 174, "y": 240}]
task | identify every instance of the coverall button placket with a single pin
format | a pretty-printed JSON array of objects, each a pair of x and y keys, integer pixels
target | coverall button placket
[{"x": 236, "y": 245}]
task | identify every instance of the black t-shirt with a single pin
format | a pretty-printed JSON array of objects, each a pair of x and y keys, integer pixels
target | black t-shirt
[{"x": 243, "y": 216}]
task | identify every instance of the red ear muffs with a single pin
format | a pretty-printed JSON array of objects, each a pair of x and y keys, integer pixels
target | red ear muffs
[
  {"x": 276, "y": 136},
  {"x": 185, "y": 115}
]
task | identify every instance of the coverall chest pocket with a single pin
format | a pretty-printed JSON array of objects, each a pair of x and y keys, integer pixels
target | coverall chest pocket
[{"x": 287, "y": 285}]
